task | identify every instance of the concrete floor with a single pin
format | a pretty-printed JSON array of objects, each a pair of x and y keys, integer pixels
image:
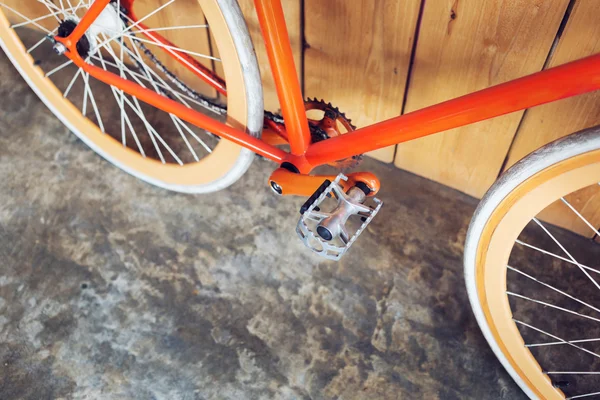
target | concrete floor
[{"x": 113, "y": 289}]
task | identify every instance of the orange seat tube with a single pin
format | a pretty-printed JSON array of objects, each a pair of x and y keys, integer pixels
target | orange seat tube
[{"x": 281, "y": 60}]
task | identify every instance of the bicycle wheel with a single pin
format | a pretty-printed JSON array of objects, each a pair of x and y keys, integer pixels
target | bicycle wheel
[
  {"x": 146, "y": 142},
  {"x": 534, "y": 286}
]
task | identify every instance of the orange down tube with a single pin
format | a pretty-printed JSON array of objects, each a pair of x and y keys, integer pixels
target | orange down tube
[{"x": 281, "y": 60}]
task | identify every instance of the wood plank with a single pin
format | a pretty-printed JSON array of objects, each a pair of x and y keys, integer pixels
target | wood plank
[
  {"x": 463, "y": 48},
  {"x": 358, "y": 56},
  {"x": 546, "y": 123},
  {"x": 31, "y": 10},
  {"x": 292, "y": 11}
]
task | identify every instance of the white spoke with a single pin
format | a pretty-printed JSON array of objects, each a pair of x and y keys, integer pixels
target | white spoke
[
  {"x": 583, "y": 395},
  {"x": 61, "y": 66},
  {"x": 86, "y": 77},
  {"x": 149, "y": 127},
  {"x": 42, "y": 40},
  {"x": 137, "y": 75},
  {"x": 187, "y": 128},
  {"x": 179, "y": 57},
  {"x": 187, "y": 143},
  {"x": 566, "y": 252},
  {"x": 555, "y": 337},
  {"x": 558, "y": 343},
  {"x": 139, "y": 21},
  {"x": 556, "y": 256},
  {"x": 48, "y": 4},
  {"x": 121, "y": 104},
  {"x": 62, "y": 7},
  {"x": 52, "y": 14},
  {"x": 72, "y": 82},
  {"x": 580, "y": 216},
  {"x": 553, "y": 288},
  {"x": 169, "y": 28},
  {"x": 174, "y": 48},
  {"x": 85, "y": 95},
  {"x": 25, "y": 18},
  {"x": 573, "y": 372},
  {"x": 552, "y": 306},
  {"x": 149, "y": 71}
]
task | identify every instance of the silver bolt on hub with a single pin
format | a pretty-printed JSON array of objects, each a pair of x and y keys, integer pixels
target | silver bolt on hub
[{"x": 59, "y": 48}]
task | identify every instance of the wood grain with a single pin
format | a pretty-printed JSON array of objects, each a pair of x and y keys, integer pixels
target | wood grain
[
  {"x": 463, "y": 48},
  {"x": 292, "y": 11},
  {"x": 546, "y": 123},
  {"x": 358, "y": 56}
]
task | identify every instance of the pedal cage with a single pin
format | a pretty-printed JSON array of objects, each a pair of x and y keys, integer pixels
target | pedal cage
[{"x": 314, "y": 223}]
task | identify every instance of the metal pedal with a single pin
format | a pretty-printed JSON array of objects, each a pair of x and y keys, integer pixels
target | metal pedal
[{"x": 330, "y": 233}]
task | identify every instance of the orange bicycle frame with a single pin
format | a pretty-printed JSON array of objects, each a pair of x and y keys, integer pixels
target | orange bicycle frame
[{"x": 556, "y": 83}]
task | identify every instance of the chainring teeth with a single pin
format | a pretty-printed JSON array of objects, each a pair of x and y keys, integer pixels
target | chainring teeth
[{"x": 318, "y": 134}]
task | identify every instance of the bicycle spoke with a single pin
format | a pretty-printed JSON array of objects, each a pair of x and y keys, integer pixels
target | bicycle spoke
[
  {"x": 581, "y": 217},
  {"x": 559, "y": 343},
  {"x": 63, "y": 65},
  {"x": 124, "y": 116},
  {"x": 566, "y": 252},
  {"x": 139, "y": 76},
  {"x": 195, "y": 136},
  {"x": 52, "y": 14},
  {"x": 153, "y": 82},
  {"x": 555, "y": 337},
  {"x": 42, "y": 40},
  {"x": 140, "y": 83},
  {"x": 573, "y": 372},
  {"x": 582, "y": 395},
  {"x": 147, "y": 125},
  {"x": 553, "y": 288},
  {"x": 551, "y": 306},
  {"x": 150, "y": 129},
  {"x": 72, "y": 82},
  {"x": 93, "y": 101},
  {"x": 25, "y": 18},
  {"x": 171, "y": 28},
  {"x": 173, "y": 48},
  {"x": 187, "y": 143},
  {"x": 556, "y": 256},
  {"x": 48, "y": 4},
  {"x": 139, "y": 21}
]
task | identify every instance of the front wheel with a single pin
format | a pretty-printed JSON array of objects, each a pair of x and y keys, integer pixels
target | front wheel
[
  {"x": 159, "y": 148},
  {"x": 534, "y": 287}
]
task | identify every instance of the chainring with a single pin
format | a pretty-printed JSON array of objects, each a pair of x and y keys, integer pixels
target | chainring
[{"x": 329, "y": 126}]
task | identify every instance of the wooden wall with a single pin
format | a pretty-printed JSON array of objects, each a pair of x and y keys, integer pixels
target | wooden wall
[{"x": 376, "y": 59}]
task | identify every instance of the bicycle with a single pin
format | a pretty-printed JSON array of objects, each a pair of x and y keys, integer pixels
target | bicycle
[{"x": 147, "y": 74}]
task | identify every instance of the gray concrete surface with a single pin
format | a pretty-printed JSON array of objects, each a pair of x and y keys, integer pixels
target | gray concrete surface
[{"x": 113, "y": 289}]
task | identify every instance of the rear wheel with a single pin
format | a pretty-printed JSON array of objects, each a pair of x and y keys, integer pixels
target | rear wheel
[
  {"x": 159, "y": 148},
  {"x": 534, "y": 287}
]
